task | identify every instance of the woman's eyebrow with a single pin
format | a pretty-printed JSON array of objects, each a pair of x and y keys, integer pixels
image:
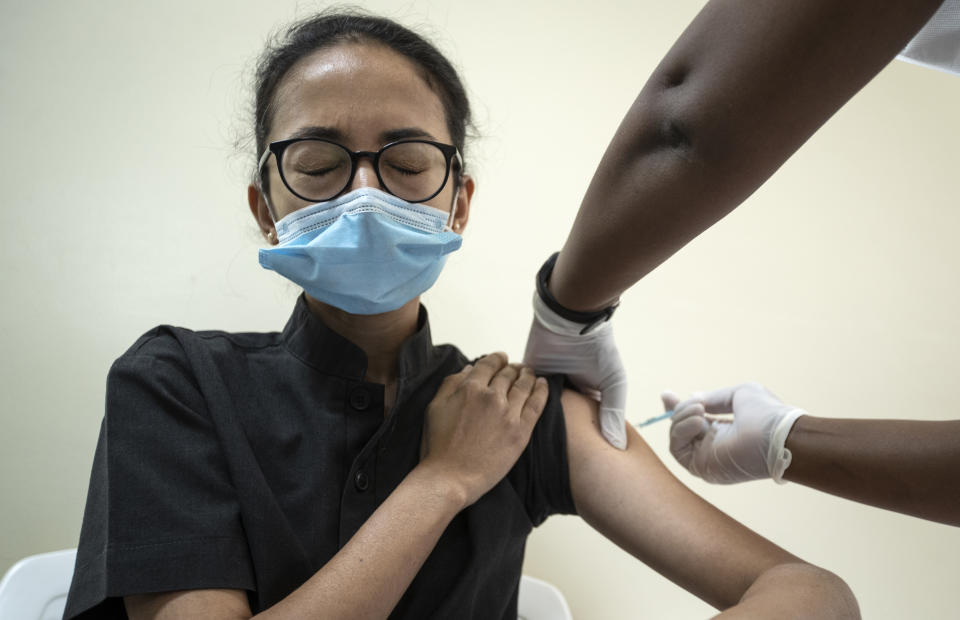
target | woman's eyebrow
[
  {"x": 318, "y": 131},
  {"x": 336, "y": 135},
  {"x": 405, "y": 133}
]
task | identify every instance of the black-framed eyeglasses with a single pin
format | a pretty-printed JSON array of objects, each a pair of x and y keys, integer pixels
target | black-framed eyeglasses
[{"x": 316, "y": 169}]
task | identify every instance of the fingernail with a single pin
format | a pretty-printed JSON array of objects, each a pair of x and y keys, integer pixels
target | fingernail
[{"x": 541, "y": 381}]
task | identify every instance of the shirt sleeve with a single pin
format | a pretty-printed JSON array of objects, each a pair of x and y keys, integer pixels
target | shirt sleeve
[
  {"x": 161, "y": 513},
  {"x": 542, "y": 474}
]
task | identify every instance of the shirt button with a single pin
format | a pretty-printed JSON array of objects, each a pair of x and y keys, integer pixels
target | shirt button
[
  {"x": 360, "y": 399},
  {"x": 361, "y": 481}
]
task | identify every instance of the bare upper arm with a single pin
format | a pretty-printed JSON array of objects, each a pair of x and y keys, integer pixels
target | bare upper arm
[
  {"x": 185, "y": 604},
  {"x": 751, "y": 81},
  {"x": 631, "y": 498},
  {"x": 742, "y": 88}
]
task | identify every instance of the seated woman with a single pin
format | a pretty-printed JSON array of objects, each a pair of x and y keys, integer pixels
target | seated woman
[{"x": 347, "y": 467}]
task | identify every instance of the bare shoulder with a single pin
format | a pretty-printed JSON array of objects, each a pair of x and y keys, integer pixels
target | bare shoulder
[
  {"x": 596, "y": 467},
  {"x": 584, "y": 440}
]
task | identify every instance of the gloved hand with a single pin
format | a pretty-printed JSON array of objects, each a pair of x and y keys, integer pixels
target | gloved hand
[
  {"x": 747, "y": 446},
  {"x": 590, "y": 360}
]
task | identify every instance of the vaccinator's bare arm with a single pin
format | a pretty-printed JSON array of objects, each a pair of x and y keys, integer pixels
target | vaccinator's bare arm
[
  {"x": 908, "y": 466},
  {"x": 745, "y": 85}
]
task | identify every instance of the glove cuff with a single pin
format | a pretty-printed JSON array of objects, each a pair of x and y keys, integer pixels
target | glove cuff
[
  {"x": 585, "y": 321},
  {"x": 778, "y": 456},
  {"x": 552, "y": 321}
]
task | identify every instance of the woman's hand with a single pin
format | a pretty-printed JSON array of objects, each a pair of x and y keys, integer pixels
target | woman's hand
[{"x": 479, "y": 422}]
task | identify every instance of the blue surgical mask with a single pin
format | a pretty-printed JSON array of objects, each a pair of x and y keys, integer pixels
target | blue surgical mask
[{"x": 365, "y": 252}]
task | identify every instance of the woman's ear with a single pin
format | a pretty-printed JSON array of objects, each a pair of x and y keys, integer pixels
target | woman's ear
[
  {"x": 261, "y": 213},
  {"x": 464, "y": 196}
]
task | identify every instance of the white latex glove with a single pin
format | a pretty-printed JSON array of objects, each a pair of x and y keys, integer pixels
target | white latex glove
[
  {"x": 591, "y": 361},
  {"x": 724, "y": 449}
]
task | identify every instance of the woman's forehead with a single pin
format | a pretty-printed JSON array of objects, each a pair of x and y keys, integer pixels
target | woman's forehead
[{"x": 362, "y": 90}]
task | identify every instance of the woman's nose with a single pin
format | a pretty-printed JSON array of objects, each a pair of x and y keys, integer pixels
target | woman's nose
[{"x": 365, "y": 176}]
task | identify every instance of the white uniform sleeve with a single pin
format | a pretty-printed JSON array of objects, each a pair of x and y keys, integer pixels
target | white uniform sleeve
[{"x": 937, "y": 45}]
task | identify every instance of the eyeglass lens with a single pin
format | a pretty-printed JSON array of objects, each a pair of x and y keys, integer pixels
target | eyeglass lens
[{"x": 319, "y": 170}]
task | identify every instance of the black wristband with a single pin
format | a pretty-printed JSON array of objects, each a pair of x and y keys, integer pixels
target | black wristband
[{"x": 590, "y": 319}]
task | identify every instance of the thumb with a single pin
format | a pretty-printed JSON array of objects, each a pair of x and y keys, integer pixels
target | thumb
[
  {"x": 685, "y": 435},
  {"x": 719, "y": 400},
  {"x": 613, "y": 426},
  {"x": 670, "y": 400}
]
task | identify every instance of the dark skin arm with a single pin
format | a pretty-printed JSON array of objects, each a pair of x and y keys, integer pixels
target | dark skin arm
[
  {"x": 745, "y": 85},
  {"x": 906, "y": 466},
  {"x": 909, "y": 466}
]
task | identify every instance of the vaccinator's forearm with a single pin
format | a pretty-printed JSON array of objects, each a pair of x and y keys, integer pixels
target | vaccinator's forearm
[
  {"x": 906, "y": 466},
  {"x": 745, "y": 85}
]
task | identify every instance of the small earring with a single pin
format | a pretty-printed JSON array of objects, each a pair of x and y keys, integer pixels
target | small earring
[{"x": 271, "y": 236}]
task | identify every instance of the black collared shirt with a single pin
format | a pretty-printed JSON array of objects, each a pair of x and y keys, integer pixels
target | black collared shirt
[{"x": 247, "y": 461}]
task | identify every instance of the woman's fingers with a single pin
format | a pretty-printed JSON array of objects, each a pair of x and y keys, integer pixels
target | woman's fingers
[
  {"x": 482, "y": 372},
  {"x": 521, "y": 388},
  {"x": 481, "y": 420},
  {"x": 454, "y": 381},
  {"x": 487, "y": 368},
  {"x": 503, "y": 381},
  {"x": 535, "y": 402}
]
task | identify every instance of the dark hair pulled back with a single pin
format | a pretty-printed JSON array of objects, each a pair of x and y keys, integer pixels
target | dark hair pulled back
[{"x": 332, "y": 27}]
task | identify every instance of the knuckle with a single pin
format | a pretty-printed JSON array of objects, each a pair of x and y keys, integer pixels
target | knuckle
[
  {"x": 473, "y": 388},
  {"x": 495, "y": 400},
  {"x": 497, "y": 359},
  {"x": 522, "y": 385},
  {"x": 484, "y": 395}
]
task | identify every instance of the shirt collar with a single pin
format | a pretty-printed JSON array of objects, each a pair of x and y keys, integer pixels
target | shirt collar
[{"x": 315, "y": 344}]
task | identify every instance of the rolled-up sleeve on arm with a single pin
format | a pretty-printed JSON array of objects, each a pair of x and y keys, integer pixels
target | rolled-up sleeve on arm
[
  {"x": 542, "y": 474},
  {"x": 162, "y": 513}
]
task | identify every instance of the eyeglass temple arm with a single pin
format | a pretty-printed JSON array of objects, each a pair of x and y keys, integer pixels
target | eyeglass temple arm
[
  {"x": 456, "y": 190},
  {"x": 259, "y": 181}
]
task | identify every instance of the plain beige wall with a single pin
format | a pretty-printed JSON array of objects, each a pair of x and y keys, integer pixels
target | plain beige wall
[{"x": 835, "y": 284}]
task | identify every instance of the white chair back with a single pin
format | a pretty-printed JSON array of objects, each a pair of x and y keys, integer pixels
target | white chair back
[
  {"x": 35, "y": 588},
  {"x": 540, "y": 600}
]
